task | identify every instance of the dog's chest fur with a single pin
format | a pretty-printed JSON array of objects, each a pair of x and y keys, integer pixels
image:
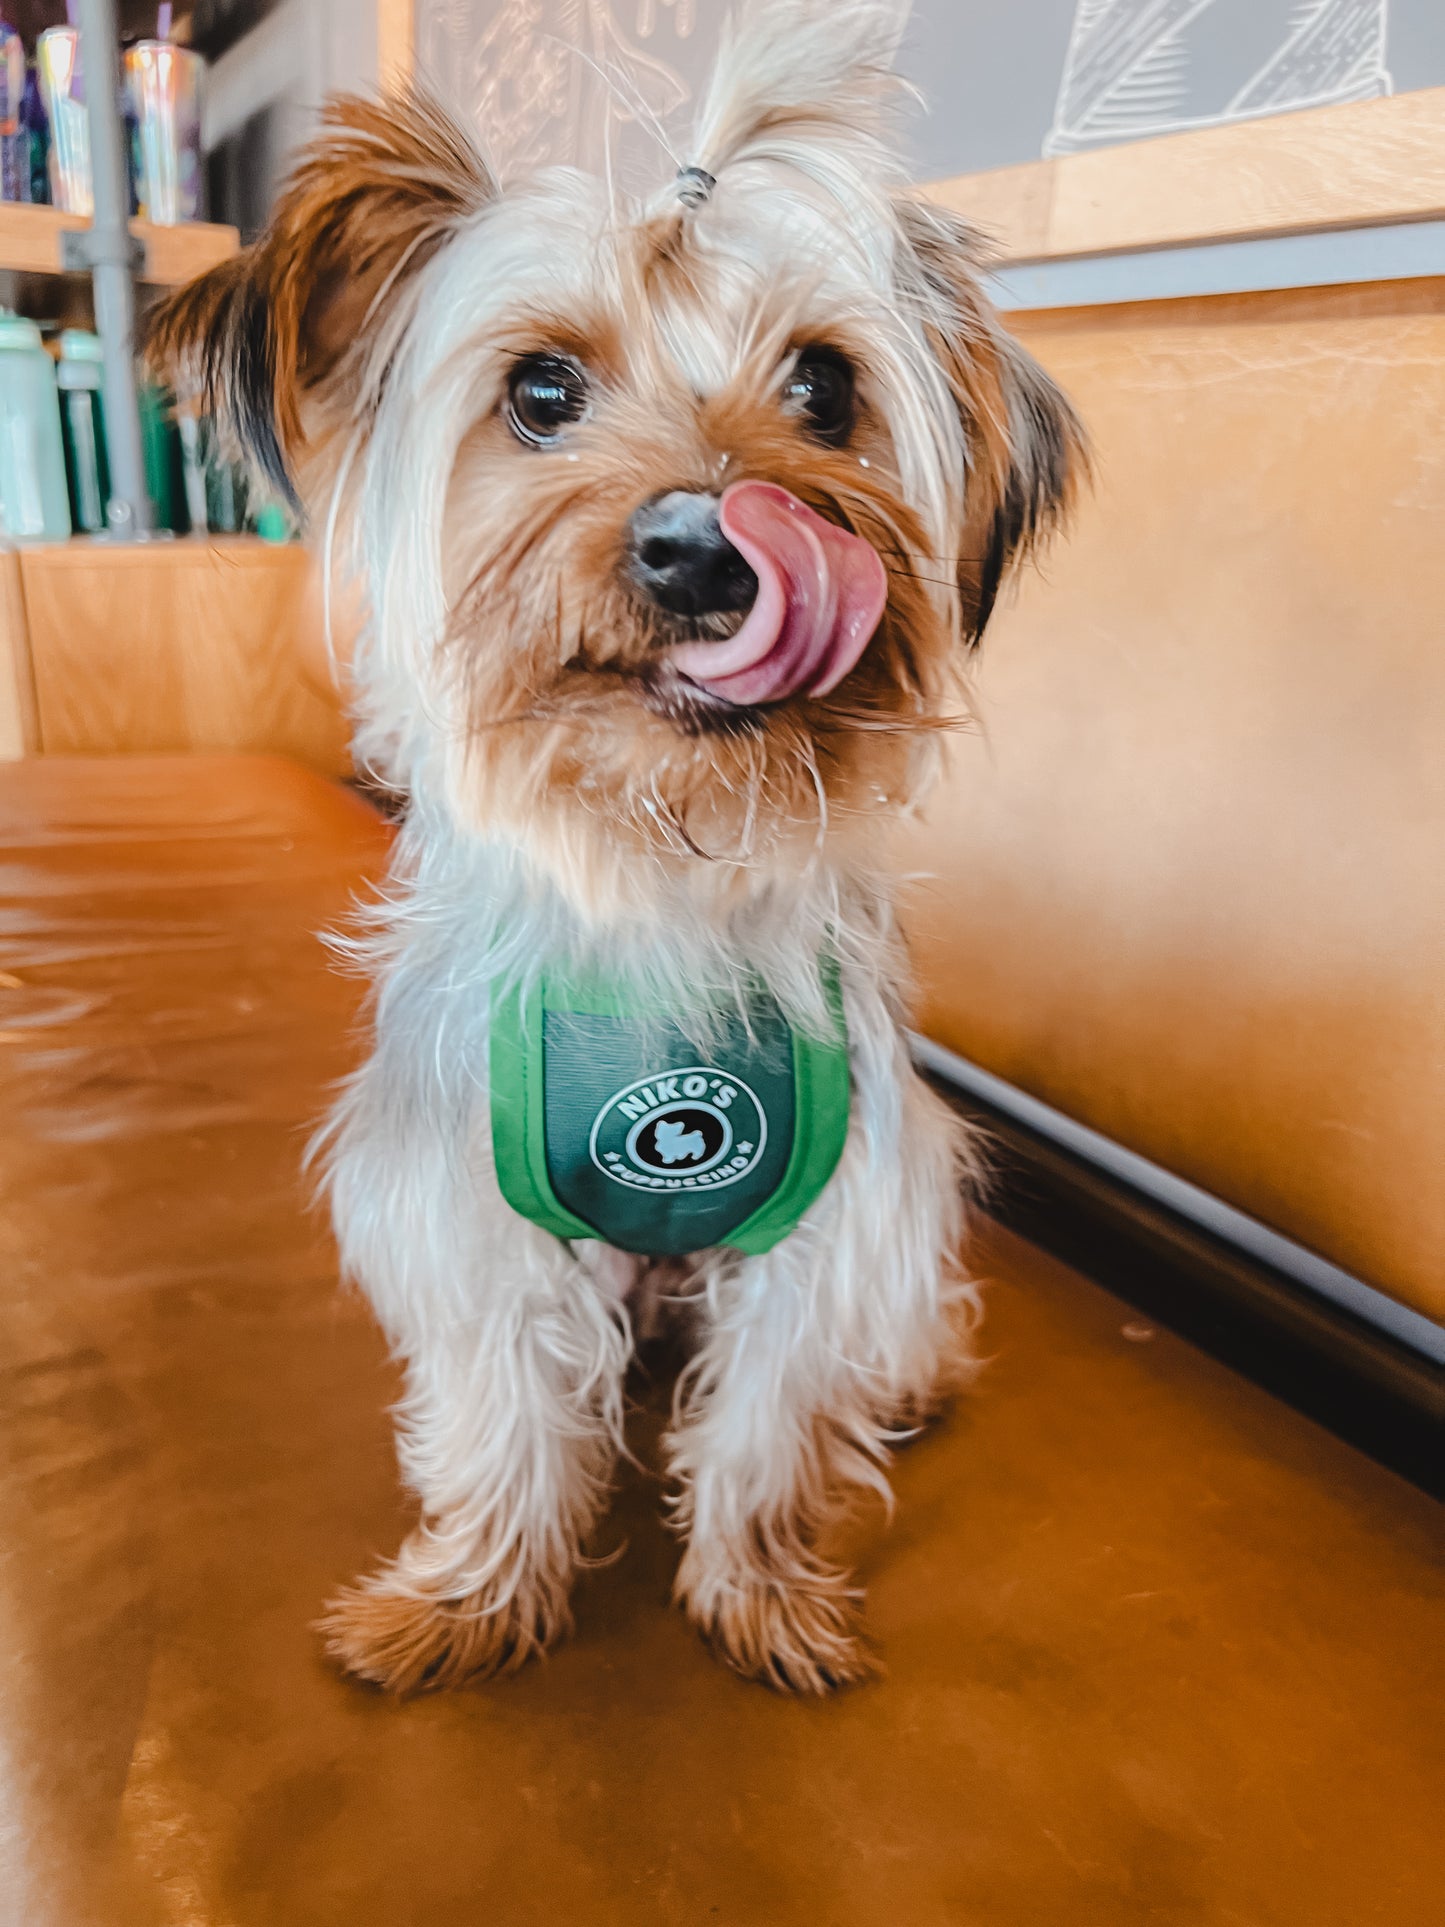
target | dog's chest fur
[{"x": 463, "y": 922}]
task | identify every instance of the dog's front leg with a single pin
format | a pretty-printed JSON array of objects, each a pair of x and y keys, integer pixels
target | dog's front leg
[
  {"x": 810, "y": 1353},
  {"x": 515, "y": 1356}
]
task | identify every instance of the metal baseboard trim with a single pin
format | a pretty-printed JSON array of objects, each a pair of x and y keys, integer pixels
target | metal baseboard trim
[{"x": 1256, "y": 1241}]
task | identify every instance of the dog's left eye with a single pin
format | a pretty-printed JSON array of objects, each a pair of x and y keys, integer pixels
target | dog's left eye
[
  {"x": 545, "y": 396},
  {"x": 820, "y": 388}
]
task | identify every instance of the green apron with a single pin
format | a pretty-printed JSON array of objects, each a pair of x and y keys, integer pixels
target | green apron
[{"x": 609, "y": 1122}]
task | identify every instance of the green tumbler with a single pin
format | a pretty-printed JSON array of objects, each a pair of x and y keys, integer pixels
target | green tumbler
[{"x": 164, "y": 458}]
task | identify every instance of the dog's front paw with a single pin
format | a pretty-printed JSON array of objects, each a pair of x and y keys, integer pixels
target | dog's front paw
[
  {"x": 799, "y": 1635},
  {"x": 414, "y": 1642}
]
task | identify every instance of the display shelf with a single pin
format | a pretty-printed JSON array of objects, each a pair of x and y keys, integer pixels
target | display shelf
[{"x": 30, "y": 243}]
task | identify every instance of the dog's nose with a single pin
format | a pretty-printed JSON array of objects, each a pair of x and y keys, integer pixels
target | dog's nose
[{"x": 683, "y": 561}]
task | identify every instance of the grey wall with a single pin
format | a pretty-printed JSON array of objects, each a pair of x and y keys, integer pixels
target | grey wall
[
  {"x": 1006, "y": 80},
  {"x": 272, "y": 64}
]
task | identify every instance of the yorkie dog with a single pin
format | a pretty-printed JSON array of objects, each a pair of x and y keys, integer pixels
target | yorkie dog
[{"x": 675, "y": 522}]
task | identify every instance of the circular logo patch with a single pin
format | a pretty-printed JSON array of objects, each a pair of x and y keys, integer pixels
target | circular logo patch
[{"x": 690, "y": 1130}]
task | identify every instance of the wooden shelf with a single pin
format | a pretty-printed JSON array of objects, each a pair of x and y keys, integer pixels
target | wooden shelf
[
  {"x": 1369, "y": 162},
  {"x": 30, "y": 244}
]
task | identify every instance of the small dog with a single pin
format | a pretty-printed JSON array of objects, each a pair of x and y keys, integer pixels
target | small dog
[{"x": 676, "y": 523}]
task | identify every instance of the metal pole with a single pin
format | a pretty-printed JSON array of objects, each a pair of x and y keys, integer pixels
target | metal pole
[{"x": 110, "y": 252}]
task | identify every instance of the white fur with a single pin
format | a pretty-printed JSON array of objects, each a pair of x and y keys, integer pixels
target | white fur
[{"x": 516, "y": 1344}]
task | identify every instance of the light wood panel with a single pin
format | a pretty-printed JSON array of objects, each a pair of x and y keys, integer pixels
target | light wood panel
[
  {"x": 1013, "y": 206},
  {"x": 178, "y": 646},
  {"x": 19, "y": 730},
  {"x": 395, "y": 41},
  {"x": 1189, "y": 878},
  {"x": 30, "y": 244},
  {"x": 1371, "y": 161}
]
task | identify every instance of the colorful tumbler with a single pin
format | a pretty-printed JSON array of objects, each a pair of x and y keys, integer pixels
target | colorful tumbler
[
  {"x": 62, "y": 83},
  {"x": 163, "y": 96},
  {"x": 14, "y": 134},
  {"x": 37, "y": 127}
]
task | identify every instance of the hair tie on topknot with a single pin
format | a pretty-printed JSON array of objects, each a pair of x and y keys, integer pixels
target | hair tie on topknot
[{"x": 694, "y": 186}]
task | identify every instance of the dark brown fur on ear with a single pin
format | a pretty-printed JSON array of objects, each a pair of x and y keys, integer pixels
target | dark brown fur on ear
[
  {"x": 1027, "y": 448},
  {"x": 372, "y": 198}
]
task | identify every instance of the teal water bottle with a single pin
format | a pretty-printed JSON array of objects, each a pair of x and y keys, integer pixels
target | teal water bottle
[
  {"x": 82, "y": 427},
  {"x": 34, "y": 499}
]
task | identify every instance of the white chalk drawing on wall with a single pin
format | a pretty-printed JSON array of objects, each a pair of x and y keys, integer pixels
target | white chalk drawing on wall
[
  {"x": 552, "y": 81},
  {"x": 1130, "y": 70}
]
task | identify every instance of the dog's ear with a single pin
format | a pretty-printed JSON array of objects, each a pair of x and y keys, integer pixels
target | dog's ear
[
  {"x": 296, "y": 317},
  {"x": 1026, "y": 449}
]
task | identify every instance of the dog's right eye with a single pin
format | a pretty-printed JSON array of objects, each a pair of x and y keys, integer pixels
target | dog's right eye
[
  {"x": 546, "y": 395},
  {"x": 820, "y": 389}
]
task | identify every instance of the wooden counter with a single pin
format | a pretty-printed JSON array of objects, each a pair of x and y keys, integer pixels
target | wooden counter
[{"x": 184, "y": 645}]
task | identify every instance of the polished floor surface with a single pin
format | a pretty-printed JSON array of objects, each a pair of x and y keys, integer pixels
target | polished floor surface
[{"x": 1158, "y": 1650}]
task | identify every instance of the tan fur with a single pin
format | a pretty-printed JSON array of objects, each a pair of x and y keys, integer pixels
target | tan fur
[
  {"x": 548, "y": 641},
  {"x": 789, "y": 1627},
  {"x": 424, "y": 1644}
]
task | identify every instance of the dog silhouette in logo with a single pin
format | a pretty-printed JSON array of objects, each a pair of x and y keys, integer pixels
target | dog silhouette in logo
[{"x": 673, "y": 1143}]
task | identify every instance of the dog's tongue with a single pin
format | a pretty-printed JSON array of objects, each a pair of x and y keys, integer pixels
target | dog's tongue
[{"x": 821, "y": 594}]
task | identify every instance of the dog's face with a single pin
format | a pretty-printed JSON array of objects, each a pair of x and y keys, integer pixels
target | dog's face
[{"x": 676, "y": 519}]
